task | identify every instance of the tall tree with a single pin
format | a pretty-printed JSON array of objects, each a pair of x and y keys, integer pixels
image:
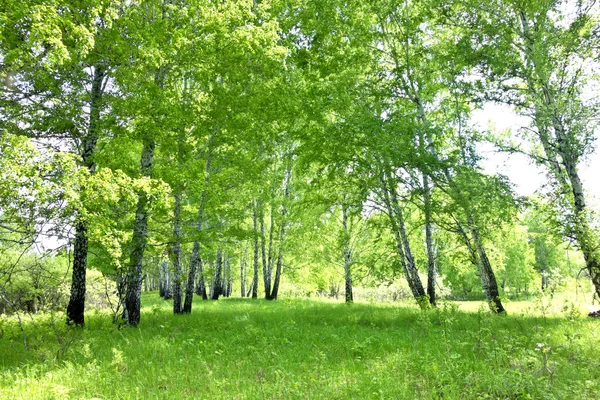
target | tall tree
[
  {"x": 538, "y": 58},
  {"x": 55, "y": 79}
]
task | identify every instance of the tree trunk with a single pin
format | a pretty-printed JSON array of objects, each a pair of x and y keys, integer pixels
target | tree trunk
[
  {"x": 243, "y": 267},
  {"x": 480, "y": 259},
  {"x": 488, "y": 278},
  {"x": 139, "y": 240},
  {"x": 201, "y": 286},
  {"x": 189, "y": 287},
  {"x": 541, "y": 260},
  {"x": 216, "y": 289},
  {"x": 196, "y": 262},
  {"x": 431, "y": 272},
  {"x": 255, "y": 264},
  {"x": 275, "y": 290},
  {"x": 426, "y": 148},
  {"x": 226, "y": 278},
  {"x": 76, "y": 306},
  {"x": 161, "y": 280},
  {"x": 243, "y": 277},
  {"x": 567, "y": 176},
  {"x": 176, "y": 256},
  {"x": 410, "y": 260},
  {"x": 286, "y": 195},
  {"x": 347, "y": 252},
  {"x": 402, "y": 244},
  {"x": 266, "y": 262},
  {"x": 586, "y": 240},
  {"x": 168, "y": 294}
]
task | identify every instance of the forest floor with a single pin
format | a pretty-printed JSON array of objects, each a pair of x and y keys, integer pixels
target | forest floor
[{"x": 287, "y": 349}]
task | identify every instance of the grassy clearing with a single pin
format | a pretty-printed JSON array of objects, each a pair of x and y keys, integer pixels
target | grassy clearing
[{"x": 244, "y": 349}]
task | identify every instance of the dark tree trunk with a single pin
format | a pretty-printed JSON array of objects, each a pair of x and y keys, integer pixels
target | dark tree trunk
[
  {"x": 279, "y": 267},
  {"x": 176, "y": 256},
  {"x": 275, "y": 289},
  {"x": 189, "y": 287},
  {"x": 139, "y": 239},
  {"x": 76, "y": 306}
]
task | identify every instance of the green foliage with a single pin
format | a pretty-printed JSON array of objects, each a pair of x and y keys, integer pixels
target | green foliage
[
  {"x": 36, "y": 188},
  {"x": 33, "y": 283},
  {"x": 294, "y": 111},
  {"x": 518, "y": 261}
]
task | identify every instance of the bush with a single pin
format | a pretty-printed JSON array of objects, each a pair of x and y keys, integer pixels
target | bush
[{"x": 33, "y": 283}]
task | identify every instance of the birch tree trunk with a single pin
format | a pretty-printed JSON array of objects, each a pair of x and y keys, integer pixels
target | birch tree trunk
[
  {"x": 76, "y": 306},
  {"x": 196, "y": 262},
  {"x": 161, "y": 280},
  {"x": 275, "y": 290},
  {"x": 402, "y": 244},
  {"x": 279, "y": 267},
  {"x": 216, "y": 289},
  {"x": 431, "y": 270},
  {"x": 167, "y": 292},
  {"x": 243, "y": 265},
  {"x": 176, "y": 256},
  {"x": 488, "y": 278},
  {"x": 139, "y": 240},
  {"x": 347, "y": 253},
  {"x": 561, "y": 149},
  {"x": 201, "y": 285},
  {"x": 480, "y": 259},
  {"x": 255, "y": 264},
  {"x": 226, "y": 277},
  {"x": 266, "y": 261}
]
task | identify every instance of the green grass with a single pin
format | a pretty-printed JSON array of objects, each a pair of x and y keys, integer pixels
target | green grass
[{"x": 244, "y": 349}]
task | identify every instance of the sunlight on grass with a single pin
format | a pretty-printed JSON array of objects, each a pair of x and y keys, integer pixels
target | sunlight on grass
[{"x": 244, "y": 349}]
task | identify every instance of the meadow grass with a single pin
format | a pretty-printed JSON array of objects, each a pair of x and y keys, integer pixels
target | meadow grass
[{"x": 287, "y": 349}]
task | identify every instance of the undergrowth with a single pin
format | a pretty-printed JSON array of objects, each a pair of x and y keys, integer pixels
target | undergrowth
[{"x": 245, "y": 349}]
